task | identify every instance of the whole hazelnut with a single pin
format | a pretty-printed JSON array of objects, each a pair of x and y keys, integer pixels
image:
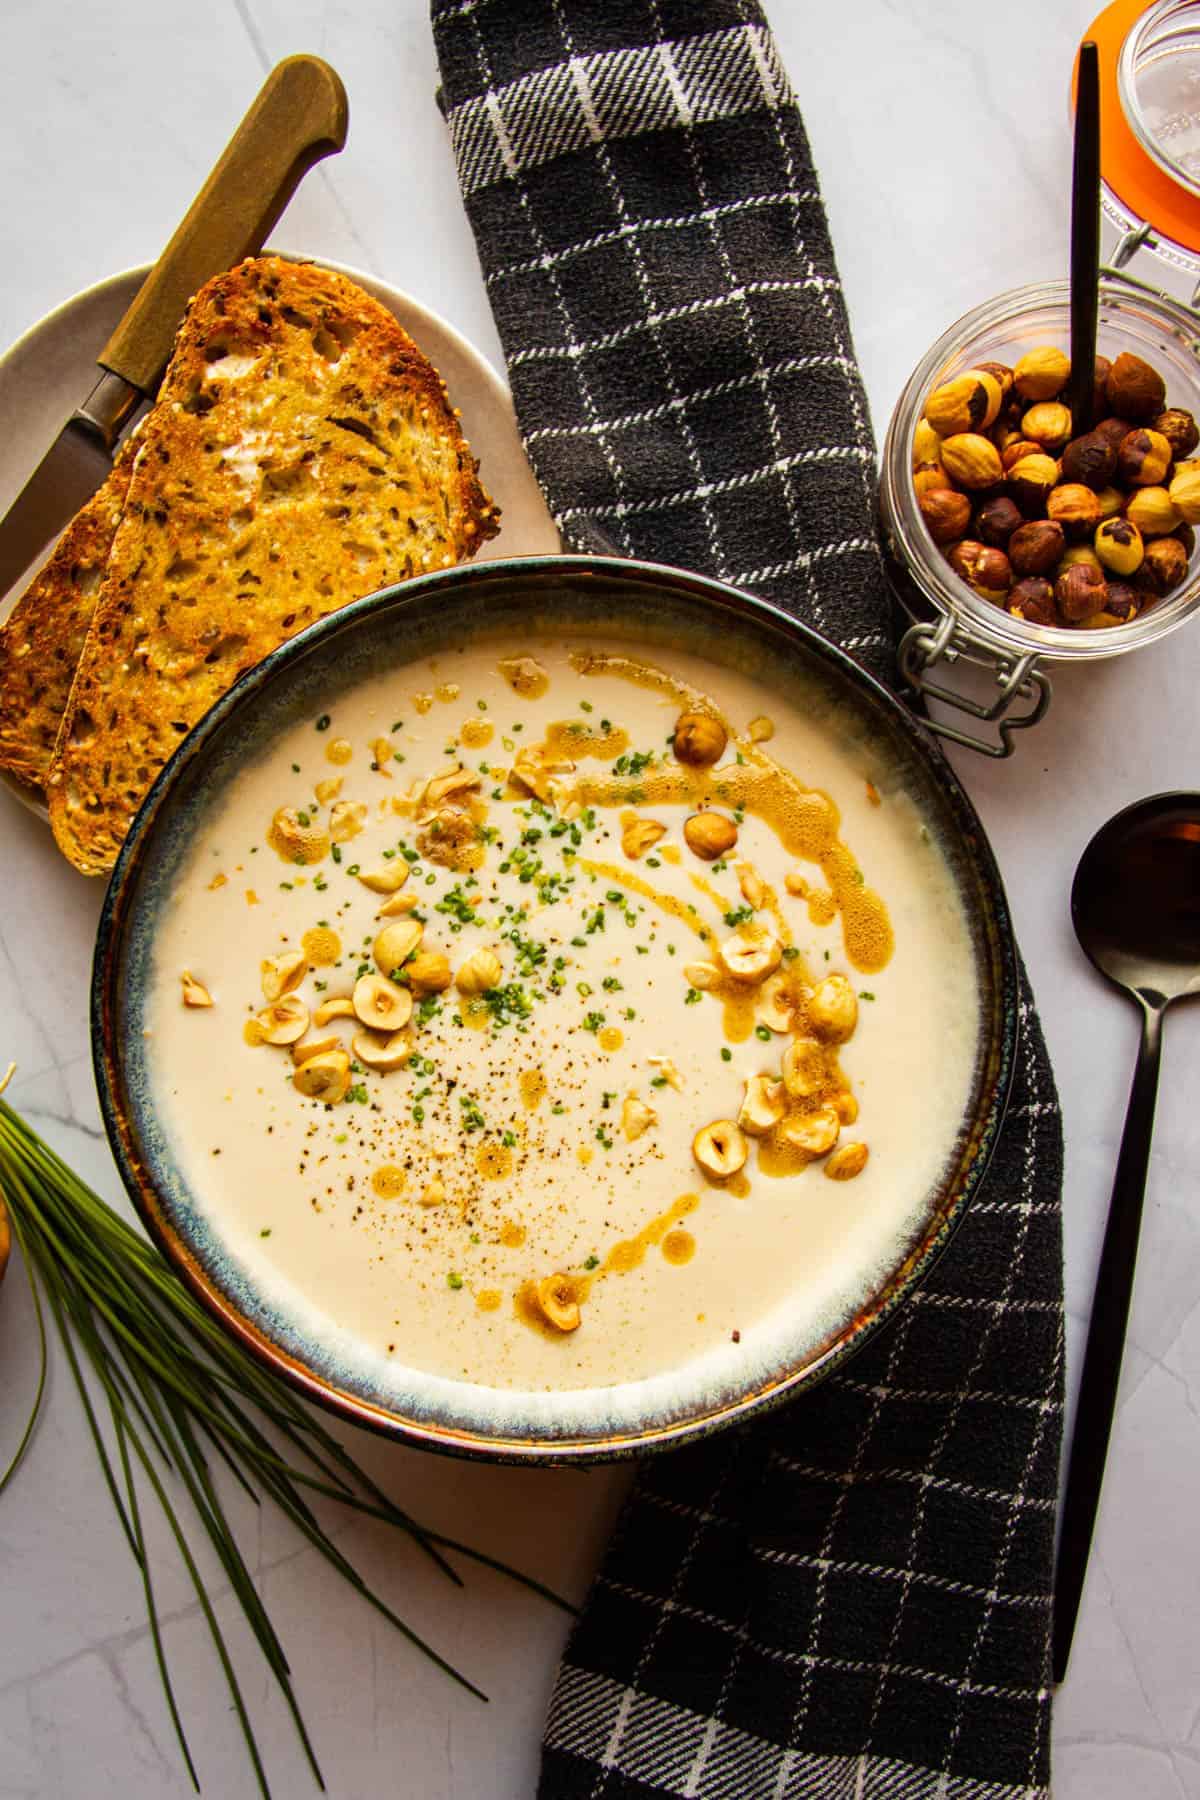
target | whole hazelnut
[
  {"x": 1180, "y": 430},
  {"x": 996, "y": 520},
  {"x": 1119, "y": 546},
  {"x": 1163, "y": 567},
  {"x": 1042, "y": 373},
  {"x": 1048, "y": 424},
  {"x": 1133, "y": 389},
  {"x": 967, "y": 402},
  {"x": 1099, "y": 404},
  {"x": 1075, "y": 508},
  {"x": 699, "y": 739},
  {"x": 1080, "y": 556},
  {"x": 1020, "y": 447},
  {"x": 986, "y": 570},
  {"x": 1037, "y": 547},
  {"x": 1090, "y": 459},
  {"x": 1123, "y": 602},
  {"x": 1005, "y": 435},
  {"x": 1185, "y": 491},
  {"x": 1080, "y": 591},
  {"x": 927, "y": 445},
  {"x": 1153, "y": 511},
  {"x": 927, "y": 476},
  {"x": 1001, "y": 374},
  {"x": 709, "y": 835},
  {"x": 1112, "y": 501},
  {"x": 1114, "y": 429},
  {"x": 1143, "y": 458},
  {"x": 1033, "y": 599},
  {"x": 946, "y": 515},
  {"x": 1030, "y": 480},
  {"x": 971, "y": 460}
]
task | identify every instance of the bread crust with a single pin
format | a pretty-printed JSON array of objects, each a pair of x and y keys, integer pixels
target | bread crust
[
  {"x": 302, "y": 452},
  {"x": 43, "y": 637}
]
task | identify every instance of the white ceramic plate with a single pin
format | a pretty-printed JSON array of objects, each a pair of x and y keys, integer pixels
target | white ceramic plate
[{"x": 48, "y": 372}]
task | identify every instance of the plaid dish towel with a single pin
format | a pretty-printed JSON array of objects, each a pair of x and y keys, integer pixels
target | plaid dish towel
[{"x": 850, "y": 1596}]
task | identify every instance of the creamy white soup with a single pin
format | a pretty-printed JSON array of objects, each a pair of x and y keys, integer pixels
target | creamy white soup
[{"x": 545, "y": 1018}]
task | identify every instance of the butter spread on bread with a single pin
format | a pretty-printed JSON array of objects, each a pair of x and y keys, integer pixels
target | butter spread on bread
[{"x": 302, "y": 452}]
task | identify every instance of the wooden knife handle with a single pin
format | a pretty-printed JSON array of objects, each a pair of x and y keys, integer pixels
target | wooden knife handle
[{"x": 299, "y": 117}]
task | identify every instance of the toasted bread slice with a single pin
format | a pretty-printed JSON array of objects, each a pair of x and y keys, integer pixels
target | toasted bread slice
[
  {"x": 43, "y": 636},
  {"x": 302, "y": 452}
]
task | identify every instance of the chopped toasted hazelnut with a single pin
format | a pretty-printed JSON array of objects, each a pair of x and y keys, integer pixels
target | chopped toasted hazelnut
[
  {"x": 429, "y": 972},
  {"x": 815, "y": 1132},
  {"x": 313, "y": 1047},
  {"x": 386, "y": 880},
  {"x": 325, "y": 1077},
  {"x": 833, "y": 1009},
  {"x": 382, "y": 1004},
  {"x": 282, "y": 974},
  {"x": 701, "y": 974},
  {"x": 382, "y": 1051},
  {"x": 762, "y": 1106},
  {"x": 346, "y": 820},
  {"x": 753, "y": 887},
  {"x": 803, "y": 1068},
  {"x": 640, "y": 835},
  {"x": 284, "y": 1021},
  {"x": 481, "y": 971},
  {"x": 396, "y": 943},
  {"x": 636, "y": 1117},
  {"x": 338, "y": 1006},
  {"x": 847, "y": 1161},
  {"x": 709, "y": 835},
  {"x": 194, "y": 992},
  {"x": 720, "y": 1148},
  {"x": 751, "y": 953},
  {"x": 557, "y": 1302}
]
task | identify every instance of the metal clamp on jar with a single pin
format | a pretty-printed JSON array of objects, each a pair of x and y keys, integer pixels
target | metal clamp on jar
[{"x": 999, "y": 658}]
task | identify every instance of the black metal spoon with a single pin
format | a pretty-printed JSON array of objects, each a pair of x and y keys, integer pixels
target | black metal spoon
[{"x": 1135, "y": 906}]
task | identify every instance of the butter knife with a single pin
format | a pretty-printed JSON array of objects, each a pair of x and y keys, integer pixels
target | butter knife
[{"x": 298, "y": 117}]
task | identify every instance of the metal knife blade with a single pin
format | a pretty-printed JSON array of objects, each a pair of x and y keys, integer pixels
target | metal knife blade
[
  {"x": 298, "y": 117},
  {"x": 77, "y": 463}
]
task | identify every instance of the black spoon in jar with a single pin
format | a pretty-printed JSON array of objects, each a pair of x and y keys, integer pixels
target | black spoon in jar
[{"x": 1135, "y": 906}]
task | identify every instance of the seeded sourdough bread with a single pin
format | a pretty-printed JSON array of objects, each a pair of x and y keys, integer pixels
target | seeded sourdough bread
[
  {"x": 43, "y": 637},
  {"x": 302, "y": 452}
]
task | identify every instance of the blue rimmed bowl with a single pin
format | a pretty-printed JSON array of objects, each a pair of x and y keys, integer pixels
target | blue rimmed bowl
[{"x": 662, "y": 609}]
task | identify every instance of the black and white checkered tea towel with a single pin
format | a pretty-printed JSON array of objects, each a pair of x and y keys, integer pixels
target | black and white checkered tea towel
[{"x": 851, "y": 1596}]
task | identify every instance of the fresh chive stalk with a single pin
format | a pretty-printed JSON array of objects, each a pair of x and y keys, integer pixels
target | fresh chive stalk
[{"x": 176, "y": 1391}]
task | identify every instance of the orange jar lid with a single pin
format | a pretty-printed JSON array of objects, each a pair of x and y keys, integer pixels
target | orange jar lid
[{"x": 1147, "y": 190}]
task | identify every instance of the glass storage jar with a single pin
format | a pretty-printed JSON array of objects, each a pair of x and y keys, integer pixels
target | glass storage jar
[
  {"x": 1149, "y": 59},
  {"x": 953, "y": 628}
]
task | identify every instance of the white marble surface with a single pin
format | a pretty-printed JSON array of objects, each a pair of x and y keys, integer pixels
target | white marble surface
[{"x": 941, "y": 135}]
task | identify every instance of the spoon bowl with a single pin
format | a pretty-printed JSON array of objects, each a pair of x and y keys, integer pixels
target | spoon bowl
[
  {"x": 1135, "y": 902},
  {"x": 1135, "y": 906}
]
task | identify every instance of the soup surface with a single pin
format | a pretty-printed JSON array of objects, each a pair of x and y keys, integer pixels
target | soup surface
[{"x": 545, "y": 1018}]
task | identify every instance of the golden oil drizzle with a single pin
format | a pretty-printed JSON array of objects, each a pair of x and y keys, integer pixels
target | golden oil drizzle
[
  {"x": 388, "y": 1181},
  {"x": 296, "y": 843},
  {"x": 532, "y": 1086},
  {"x": 476, "y": 733},
  {"x": 577, "y": 737},
  {"x": 611, "y": 1038},
  {"x": 678, "y": 909},
  {"x": 339, "y": 750},
  {"x": 494, "y": 1161},
  {"x": 631, "y": 1252},
  {"x": 679, "y": 1247},
  {"x": 512, "y": 1234},
  {"x": 321, "y": 946},
  {"x": 488, "y": 1299},
  {"x": 805, "y": 820}
]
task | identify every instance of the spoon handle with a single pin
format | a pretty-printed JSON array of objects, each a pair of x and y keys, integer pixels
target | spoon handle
[{"x": 1106, "y": 1340}]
